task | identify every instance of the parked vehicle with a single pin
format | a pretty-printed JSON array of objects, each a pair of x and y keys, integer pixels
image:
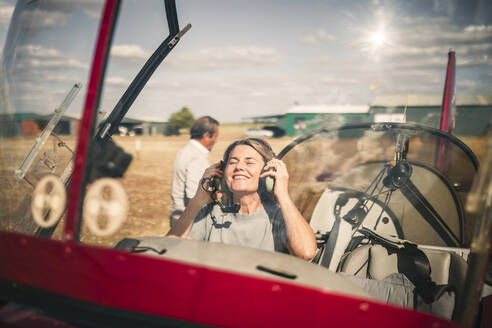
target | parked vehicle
[
  {"x": 258, "y": 133},
  {"x": 171, "y": 132},
  {"x": 265, "y": 132}
]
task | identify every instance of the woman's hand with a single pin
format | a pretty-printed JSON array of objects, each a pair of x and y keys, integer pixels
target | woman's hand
[
  {"x": 204, "y": 194},
  {"x": 276, "y": 169},
  {"x": 300, "y": 237},
  {"x": 202, "y": 197}
]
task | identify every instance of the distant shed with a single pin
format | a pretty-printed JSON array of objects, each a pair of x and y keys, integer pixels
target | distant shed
[
  {"x": 67, "y": 125},
  {"x": 32, "y": 124},
  {"x": 301, "y": 119},
  {"x": 473, "y": 112},
  {"x": 144, "y": 126}
]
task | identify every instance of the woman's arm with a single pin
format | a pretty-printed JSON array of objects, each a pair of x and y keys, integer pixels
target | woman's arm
[
  {"x": 202, "y": 197},
  {"x": 300, "y": 237}
]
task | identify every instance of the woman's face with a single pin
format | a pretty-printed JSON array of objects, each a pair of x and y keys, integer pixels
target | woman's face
[{"x": 243, "y": 169}]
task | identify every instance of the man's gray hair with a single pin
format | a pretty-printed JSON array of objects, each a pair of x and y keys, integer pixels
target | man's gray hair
[{"x": 202, "y": 125}]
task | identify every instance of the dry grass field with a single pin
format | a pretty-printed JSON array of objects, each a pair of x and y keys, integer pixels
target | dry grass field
[{"x": 148, "y": 179}]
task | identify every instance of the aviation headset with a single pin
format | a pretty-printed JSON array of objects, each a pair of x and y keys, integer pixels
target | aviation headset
[{"x": 265, "y": 184}]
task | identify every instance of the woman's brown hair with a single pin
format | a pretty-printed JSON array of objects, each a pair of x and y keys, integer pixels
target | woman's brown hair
[
  {"x": 265, "y": 150},
  {"x": 260, "y": 145}
]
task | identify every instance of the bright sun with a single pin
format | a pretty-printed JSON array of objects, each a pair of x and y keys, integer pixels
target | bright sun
[{"x": 377, "y": 38}]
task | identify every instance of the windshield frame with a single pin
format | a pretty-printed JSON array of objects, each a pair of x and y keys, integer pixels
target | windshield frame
[
  {"x": 381, "y": 127},
  {"x": 76, "y": 190}
]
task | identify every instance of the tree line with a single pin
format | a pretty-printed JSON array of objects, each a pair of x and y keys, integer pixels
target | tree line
[{"x": 182, "y": 119}]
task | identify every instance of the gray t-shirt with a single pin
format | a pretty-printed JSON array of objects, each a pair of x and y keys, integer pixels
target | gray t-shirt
[{"x": 264, "y": 229}]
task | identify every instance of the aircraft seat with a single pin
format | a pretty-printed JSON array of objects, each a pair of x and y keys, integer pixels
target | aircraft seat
[{"x": 448, "y": 267}]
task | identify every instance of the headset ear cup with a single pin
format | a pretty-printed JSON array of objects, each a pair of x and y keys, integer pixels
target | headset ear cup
[
  {"x": 266, "y": 184},
  {"x": 222, "y": 185},
  {"x": 269, "y": 184}
]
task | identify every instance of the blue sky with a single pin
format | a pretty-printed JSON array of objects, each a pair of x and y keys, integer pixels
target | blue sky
[{"x": 246, "y": 58}]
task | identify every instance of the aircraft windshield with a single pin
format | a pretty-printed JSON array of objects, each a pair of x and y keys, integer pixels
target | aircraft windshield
[
  {"x": 46, "y": 61},
  {"x": 398, "y": 165}
]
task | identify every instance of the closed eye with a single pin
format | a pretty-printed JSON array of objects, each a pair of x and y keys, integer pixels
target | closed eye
[{"x": 248, "y": 161}]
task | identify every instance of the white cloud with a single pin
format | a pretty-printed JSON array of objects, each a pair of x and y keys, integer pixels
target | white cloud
[
  {"x": 467, "y": 84},
  {"x": 39, "y": 51},
  {"x": 483, "y": 62},
  {"x": 319, "y": 36},
  {"x": 240, "y": 94},
  {"x": 39, "y": 19},
  {"x": 253, "y": 54},
  {"x": 55, "y": 13},
  {"x": 478, "y": 28},
  {"x": 425, "y": 41},
  {"x": 32, "y": 87},
  {"x": 43, "y": 74},
  {"x": 57, "y": 78},
  {"x": 129, "y": 51},
  {"x": 6, "y": 12},
  {"x": 225, "y": 58},
  {"x": 56, "y": 63},
  {"x": 117, "y": 81},
  {"x": 339, "y": 80},
  {"x": 41, "y": 57}
]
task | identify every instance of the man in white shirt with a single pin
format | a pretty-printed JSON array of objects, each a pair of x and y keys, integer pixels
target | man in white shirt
[{"x": 191, "y": 162}]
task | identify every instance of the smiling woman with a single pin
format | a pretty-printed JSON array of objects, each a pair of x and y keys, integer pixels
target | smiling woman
[{"x": 259, "y": 220}]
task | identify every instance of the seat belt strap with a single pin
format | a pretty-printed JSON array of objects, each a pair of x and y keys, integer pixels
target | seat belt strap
[
  {"x": 413, "y": 263},
  {"x": 329, "y": 247}
]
